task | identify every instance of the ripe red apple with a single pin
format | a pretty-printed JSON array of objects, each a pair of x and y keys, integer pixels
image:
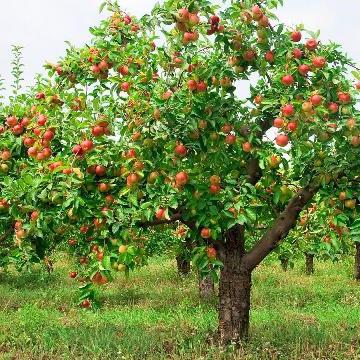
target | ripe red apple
[
  {"x": 73, "y": 274},
  {"x": 123, "y": 70},
  {"x": 5, "y": 155},
  {"x": 205, "y": 233},
  {"x": 182, "y": 178},
  {"x": 103, "y": 187},
  {"x": 11, "y": 121},
  {"x": 183, "y": 15},
  {"x": 25, "y": 122},
  {"x": 192, "y": 85},
  {"x": 288, "y": 110},
  {"x": 214, "y": 188},
  {"x": 84, "y": 229},
  {"x": 230, "y": 139},
  {"x": 180, "y": 150},
  {"x": 40, "y": 96},
  {"x": 95, "y": 69},
  {"x": 344, "y": 98},
  {"x": 319, "y": 62},
  {"x": 211, "y": 253},
  {"x": 167, "y": 95},
  {"x": 311, "y": 44},
  {"x": 297, "y": 53},
  {"x": 316, "y": 99},
  {"x": 100, "y": 170},
  {"x": 333, "y": 107},
  {"x": 357, "y": 86},
  {"x": 201, "y": 86},
  {"x": 292, "y": 126},
  {"x": 103, "y": 65},
  {"x": 40, "y": 156},
  {"x": 97, "y": 131},
  {"x": 246, "y": 146},
  {"x": 249, "y": 55},
  {"x": 270, "y": 56},
  {"x": 132, "y": 179},
  {"x": 278, "y": 122},
  {"x": 42, "y": 119},
  {"x": 17, "y": 129},
  {"x": 87, "y": 145},
  {"x": 125, "y": 87},
  {"x": 85, "y": 304},
  {"x": 77, "y": 150},
  {"x": 32, "y": 152},
  {"x": 160, "y": 214},
  {"x": 47, "y": 152},
  {"x": 287, "y": 80},
  {"x": 295, "y": 36},
  {"x": 193, "y": 19},
  {"x": 282, "y": 140},
  {"x": 48, "y": 135},
  {"x": 304, "y": 69},
  {"x": 264, "y": 21}
]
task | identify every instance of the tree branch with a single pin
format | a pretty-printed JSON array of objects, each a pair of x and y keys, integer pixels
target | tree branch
[{"x": 280, "y": 228}]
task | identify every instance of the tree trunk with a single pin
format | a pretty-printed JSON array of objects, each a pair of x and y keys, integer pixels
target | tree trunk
[
  {"x": 183, "y": 265},
  {"x": 284, "y": 263},
  {"x": 206, "y": 287},
  {"x": 234, "y": 289},
  {"x": 309, "y": 264},
  {"x": 357, "y": 261}
]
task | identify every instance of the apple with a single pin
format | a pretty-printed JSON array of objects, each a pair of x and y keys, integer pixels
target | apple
[
  {"x": 132, "y": 179},
  {"x": 160, "y": 214},
  {"x": 274, "y": 161},
  {"x": 205, "y": 233},
  {"x": 270, "y": 56},
  {"x": 357, "y": 86},
  {"x": 350, "y": 203},
  {"x": 180, "y": 150},
  {"x": 246, "y": 146},
  {"x": 211, "y": 253},
  {"x": 351, "y": 123},
  {"x": 100, "y": 170},
  {"x": 5, "y": 155},
  {"x": 97, "y": 131},
  {"x": 182, "y": 178},
  {"x": 85, "y": 304},
  {"x": 103, "y": 65},
  {"x": 32, "y": 151},
  {"x": 304, "y": 69},
  {"x": 319, "y": 62},
  {"x": 11, "y": 121},
  {"x": 125, "y": 86},
  {"x": 344, "y": 98},
  {"x": 84, "y": 229},
  {"x": 77, "y": 150},
  {"x": 282, "y": 140},
  {"x": 333, "y": 107},
  {"x": 215, "y": 180},
  {"x": 230, "y": 139},
  {"x": 288, "y": 110},
  {"x": 311, "y": 44},
  {"x": 73, "y": 274},
  {"x": 48, "y": 135},
  {"x": 249, "y": 55},
  {"x": 201, "y": 86},
  {"x": 292, "y": 126},
  {"x": 297, "y": 53},
  {"x": 25, "y": 121},
  {"x": 95, "y": 69},
  {"x": 167, "y": 95},
  {"x": 295, "y": 36},
  {"x": 278, "y": 123},
  {"x": 193, "y": 19},
  {"x": 42, "y": 119},
  {"x": 103, "y": 187},
  {"x": 307, "y": 106},
  {"x": 17, "y": 129},
  {"x": 40, "y": 96},
  {"x": 316, "y": 99},
  {"x": 192, "y": 85},
  {"x": 264, "y": 21},
  {"x": 287, "y": 80},
  {"x": 87, "y": 145},
  {"x": 214, "y": 189},
  {"x": 72, "y": 242}
]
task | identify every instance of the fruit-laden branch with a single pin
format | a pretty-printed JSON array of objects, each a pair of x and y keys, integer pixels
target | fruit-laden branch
[
  {"x": 281, "y": 227},
  {"x": 172, "y": 219}
]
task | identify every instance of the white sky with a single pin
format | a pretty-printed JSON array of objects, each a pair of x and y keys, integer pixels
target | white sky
[{"x": 42, "y": 26}]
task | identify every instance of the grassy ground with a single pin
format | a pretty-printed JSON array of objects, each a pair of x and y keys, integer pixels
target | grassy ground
[{"x": 157, "y": 315}]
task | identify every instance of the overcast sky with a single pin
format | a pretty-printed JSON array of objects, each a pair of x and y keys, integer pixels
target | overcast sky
[{"x": 42, "y": 26}]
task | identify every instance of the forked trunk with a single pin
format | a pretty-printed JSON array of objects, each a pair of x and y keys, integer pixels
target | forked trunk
[
  {"x": 357, "y": 261},
  {"x": 284, "y": 263},
  {"x": 309, "y": 264},
  {"x": 234, "y": 289},
  {"x": 183, "y": 265},
  {"x": 206, "y": 287}
]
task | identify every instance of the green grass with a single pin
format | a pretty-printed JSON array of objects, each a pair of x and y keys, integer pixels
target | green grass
[{"x": 155, "y": 314}]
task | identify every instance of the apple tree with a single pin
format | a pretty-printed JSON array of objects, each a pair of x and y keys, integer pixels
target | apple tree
[{"x": 148, "y": 126}]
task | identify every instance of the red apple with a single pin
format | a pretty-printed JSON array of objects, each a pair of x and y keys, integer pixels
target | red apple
[
  {"x": 282, "y": 140},
  {"x": 319, "y": 62},
  {"x": 287, "y": 80},
  {"x": 288, "y": 110},
  {"x": 311, "y": 44},
  {"x": 180, "y": 150},
  {"x": 295, "y": 36},
  {"x": 278, "y": 122},
  {"x": 205, "y": 233},
  {"x": 182, "y": 178}
]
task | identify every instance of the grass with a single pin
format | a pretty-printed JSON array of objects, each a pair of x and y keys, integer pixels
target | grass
[{"x": 155, "y": 314}]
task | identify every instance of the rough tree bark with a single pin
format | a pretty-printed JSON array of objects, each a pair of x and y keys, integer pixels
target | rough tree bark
[
  {"x": 284, "y": 263},
  {"x": 357, "y": 261},
  {"x": 234, "y": 289},
  {"x": 235, "y": 278},
  {"x": 183, "y": 265},
  {"x": 206, "y": 287},
  {"x": 309, "y": 264}
]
